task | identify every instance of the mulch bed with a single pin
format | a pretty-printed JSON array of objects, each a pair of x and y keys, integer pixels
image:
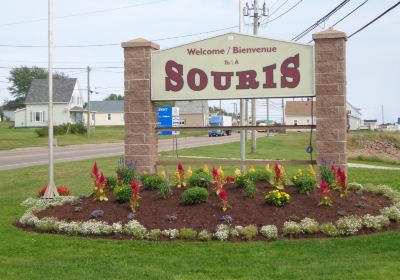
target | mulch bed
[{"x": 154, "y": 212}]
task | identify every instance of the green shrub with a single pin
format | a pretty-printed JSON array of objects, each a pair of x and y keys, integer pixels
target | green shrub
[
  {"x": 122, "y": 193},
  {"x": 164, "y": 189},
  {"x": 126, "y": 174},
  {"x": 41, "y": 132},
  {"x": 270, "y": 232},
  {"x": 200, "y": 179},
  {"x": 187, "y": 233},
  {"x": 329, "y": 229},
  {"x": 248, "y": 232},
  {"x": 309, "y": 225},
  {"x": 195, "y": 195},
  {"x": 204, "y": 235},
  {"x": 151, "y": 181},
  {"x": 153, "y": 234},
  {"x": 305, "y": 184},
  {"x": 77, "y": 128},
  {"x": 355, "y": 187},
  {"x": 327, "y": 175},
  {"x": 291, "y": 228},
  {"x": 250, "y": 188},
  {"x": 349, "y": 225},
  {"x": 392, "y": 212},
  {"x": 259, "y": 176},
  {"x": 240, "y": 180},
  {"x": 375, "y": 222},
  {"x": 111, "y": 181}
]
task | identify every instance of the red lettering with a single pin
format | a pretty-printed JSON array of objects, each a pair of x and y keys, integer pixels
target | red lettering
[
  {"x": 174, "y": 80},
  {"x": 218, "y": 80},
  {"x": 289, "y": 71},
  {"x": 247, "y": 79},
  {"x": 191, "y": 79},
  {"x": 269, "y": 76}
]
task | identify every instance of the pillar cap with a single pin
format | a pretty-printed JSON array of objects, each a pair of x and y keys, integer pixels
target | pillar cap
[
  {"x": 140, "y": 42},
  {"x": 329, "y": 33}
]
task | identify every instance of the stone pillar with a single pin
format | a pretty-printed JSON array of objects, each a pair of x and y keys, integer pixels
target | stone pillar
[
  {"x": 330, "y": 87},
  {"x": 140, "y": 113}
]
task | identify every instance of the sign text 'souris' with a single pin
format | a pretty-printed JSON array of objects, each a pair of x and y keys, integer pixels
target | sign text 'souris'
[{"x": 197, "y": 79}]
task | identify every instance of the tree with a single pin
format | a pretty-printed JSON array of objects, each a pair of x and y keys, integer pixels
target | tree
[
  {"x": 114, "y": 96},
  {"x": 22, "y": 77}
]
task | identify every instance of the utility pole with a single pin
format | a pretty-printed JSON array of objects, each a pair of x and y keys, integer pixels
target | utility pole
[
  {"x": 283, "y": 112},
  {"x": 383, "y": 116},
  {"x": 51, "y": 190},
  {"x": 242, "y": 103},
  {"x": 255, "y": 8},
  {"x": 88, "y": 102}
]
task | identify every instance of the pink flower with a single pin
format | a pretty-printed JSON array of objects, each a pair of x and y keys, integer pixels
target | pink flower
[
  {"x": 324, "y": 188},
  {"x": 180, "y": 168},
  {"x": 135, "y": 188},
  {"x": 277, "y": 173},
  {"x": 95, "y": 171},
  {"x": 214, "y": 172}
]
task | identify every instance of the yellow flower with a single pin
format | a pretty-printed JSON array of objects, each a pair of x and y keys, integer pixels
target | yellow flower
[
  {"x": 220, "y": 172},
  {"x": 189, "y": 172},
  {"x": 163, "y": 174},
  {"x": 312, "y": 172},
  {"x": 205, "y": 169},
  {"x": 252, "y": 169},
  {"x": 268, "y": 169},
  {"x": 238, "y": 173}
]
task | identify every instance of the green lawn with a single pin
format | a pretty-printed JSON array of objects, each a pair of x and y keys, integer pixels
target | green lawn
[{"x": 25, "y": 255}]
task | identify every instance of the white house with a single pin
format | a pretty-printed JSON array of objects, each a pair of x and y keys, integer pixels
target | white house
[
  {"x": 67, "y": 104},
  {"x": 106, "y": 113},
  {"x": 299, "y": 113}
]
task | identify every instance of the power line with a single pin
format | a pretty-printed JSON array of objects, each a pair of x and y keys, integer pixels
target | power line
[
  {"x": 347, "y": 15},
  {"x": 277, "y": 9},
  {"x": 284, "y": 13},
  {"x": 84, "y": 13},
  {"x": 375, "y": 19},
  {"x": 321, "y": 20}
]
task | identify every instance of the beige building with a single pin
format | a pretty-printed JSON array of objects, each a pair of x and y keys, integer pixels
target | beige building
[
  {"x": 193, "y": 113},
  {"x": 299, "y": 113},
  {"x": 106, "y": 113}
]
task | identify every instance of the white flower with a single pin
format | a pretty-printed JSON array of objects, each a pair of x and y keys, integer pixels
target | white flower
[
  {"x": 170, "y": 233},
  {"x": 270, "y": 232},
  {"x": 222, "y": 232}
]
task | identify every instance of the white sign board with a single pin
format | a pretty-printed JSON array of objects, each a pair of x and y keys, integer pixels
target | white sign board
[{"x": 232, "y": 66}]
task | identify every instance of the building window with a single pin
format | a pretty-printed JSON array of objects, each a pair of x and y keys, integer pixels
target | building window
[
  {"x": 37, "y": 116},
  {"x": 109, "y": 117},
  {"x": 182, "y": 122},
  {"x": 92, "y": 117},
  {"x": 295, "y": 122}
]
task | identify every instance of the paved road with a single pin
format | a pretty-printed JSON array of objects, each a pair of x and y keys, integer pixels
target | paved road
[{"x": 24, "y": 157}]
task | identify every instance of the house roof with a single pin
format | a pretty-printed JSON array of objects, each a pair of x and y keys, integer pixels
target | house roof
[
  {"x": 62, "y": 90},
  {"x": 371, "y": 121},
  {"x": 299, "y": 108},
  {"x": 192, "y": 107},
  {"x": 114, "y": 106}
]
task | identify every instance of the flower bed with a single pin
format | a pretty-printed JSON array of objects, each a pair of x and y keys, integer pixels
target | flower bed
[{"x": 365, "y": 209}]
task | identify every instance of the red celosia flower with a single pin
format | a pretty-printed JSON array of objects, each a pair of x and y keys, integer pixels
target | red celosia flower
[
  {"x": 223, "y": 195},
  {"x": 95, "y": 171},
  {"x": 342, "y": 177},
  {"x": 278, "y": 174},
  {"x": 214, "y": 172},
  {"x": 229, "y": 179},
  {"x": 324, "y": 189},
  {"x": 42, "y": 191},
  {"x": 180, "y": 168},
  {"x": 135, "y": 189},
  {"x": 63, "y": 191}
]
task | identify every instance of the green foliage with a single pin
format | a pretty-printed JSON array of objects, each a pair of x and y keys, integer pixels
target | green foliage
[
  {"x": 200, "y": 179},
  {"x": 305, "y": 184},
  {"x": 327, "y": 175},
  {"x": 122, "y": 193},
  {"x": 113, "y": 97},
  {"x": 277, "y": 198},
  {"x": 195, "y": 195},
  {"x": 187, "y": 233},
  {"x": 291, "y": 228},
  {"x": 153, "y": 234},
  {"x": 349, "y": 225},
  {"x": 309, "y": 225},
  {"x": 248, "y": 232},
  {"x": 111, "y": 181},
  {"x": 204, "y": 235},
  {"x": 329, "y": 229},
  {"x": 249, "y": 188},
  {"x": 259, "y": 176},
  {"x": 164, "y": 189},
  {"x": 151, "y": 181},
  {"x": 127, "y": 174},
  {"x": 76, "y": 128}
]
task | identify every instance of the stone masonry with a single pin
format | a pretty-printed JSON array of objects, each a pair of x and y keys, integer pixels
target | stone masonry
[
  {"x": 140, "y": 113},
  {"x": 330, "y": 87}
]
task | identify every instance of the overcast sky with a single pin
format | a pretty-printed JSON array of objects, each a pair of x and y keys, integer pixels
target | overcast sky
[{"x": 373, "y": 60}]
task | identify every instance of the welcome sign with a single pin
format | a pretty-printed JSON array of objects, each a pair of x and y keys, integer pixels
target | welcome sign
[{"x": 232, "y": 66}]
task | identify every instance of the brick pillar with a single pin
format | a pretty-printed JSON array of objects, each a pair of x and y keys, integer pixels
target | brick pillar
[
  {"x": 330, "y": 87},
  {"x": 140, "y": 113}
]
